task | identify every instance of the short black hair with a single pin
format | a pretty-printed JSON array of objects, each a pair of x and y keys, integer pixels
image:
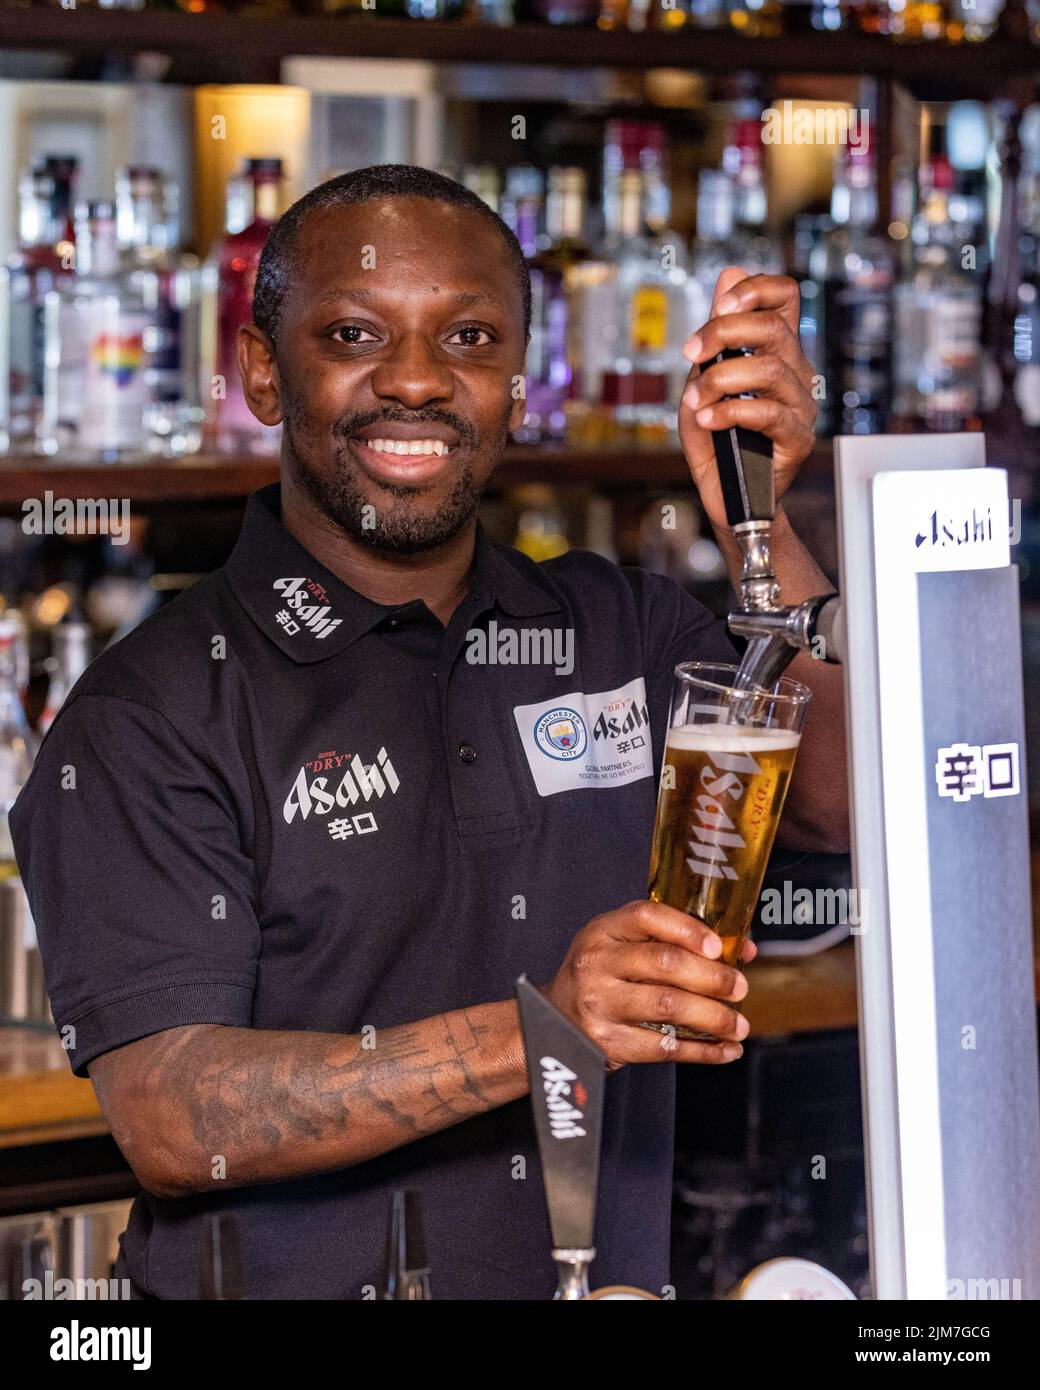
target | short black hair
[{"x": 361, "y": 186}]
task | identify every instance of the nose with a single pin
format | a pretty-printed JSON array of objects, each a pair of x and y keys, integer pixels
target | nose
[{"x": 413, "y": 373}]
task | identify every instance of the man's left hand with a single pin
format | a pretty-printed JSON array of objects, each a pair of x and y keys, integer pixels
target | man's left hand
[{"x": 759, "y": 312}]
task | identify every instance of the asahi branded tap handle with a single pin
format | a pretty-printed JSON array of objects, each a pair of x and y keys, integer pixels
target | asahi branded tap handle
[{"x": 567, "y": 1074}]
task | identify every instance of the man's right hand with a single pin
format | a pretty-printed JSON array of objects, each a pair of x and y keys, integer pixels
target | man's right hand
[{"x": 649, "y": 962}]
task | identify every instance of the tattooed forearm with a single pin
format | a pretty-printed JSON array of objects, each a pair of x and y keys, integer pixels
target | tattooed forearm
[{"x": 208, "y": 1106}]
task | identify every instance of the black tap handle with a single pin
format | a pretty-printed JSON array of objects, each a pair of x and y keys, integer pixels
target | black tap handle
[
  {"x": 745, "y": 462},
  {"x": 407, "y": 1263}
]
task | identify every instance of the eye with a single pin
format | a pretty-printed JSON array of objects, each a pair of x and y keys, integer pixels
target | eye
[
  {"x": 472, "y": 336},
  {"x": 353, "y": 335}
]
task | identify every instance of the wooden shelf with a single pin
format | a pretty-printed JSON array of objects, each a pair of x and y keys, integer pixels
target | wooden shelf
[
  {"x": 214, "y": 477},
  {"x": 965, "y": 66}
]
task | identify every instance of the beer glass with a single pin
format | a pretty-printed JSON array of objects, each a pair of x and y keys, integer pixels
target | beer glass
[{"x": 727, "y": 765}]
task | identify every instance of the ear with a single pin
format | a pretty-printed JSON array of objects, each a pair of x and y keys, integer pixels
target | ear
[
  {"x": 519, "y": 408},
  {"x": 259, "y": 373}
]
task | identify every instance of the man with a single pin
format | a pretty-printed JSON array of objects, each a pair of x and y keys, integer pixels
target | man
[{"x": 288, "y": 848}]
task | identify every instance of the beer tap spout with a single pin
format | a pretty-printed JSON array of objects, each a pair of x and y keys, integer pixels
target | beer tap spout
[{"x": 776, "y": 633}]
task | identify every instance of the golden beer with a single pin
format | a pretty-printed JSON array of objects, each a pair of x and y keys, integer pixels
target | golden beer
[{"x": 722, "y": 793}]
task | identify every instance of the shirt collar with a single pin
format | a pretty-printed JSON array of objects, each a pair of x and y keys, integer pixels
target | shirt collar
[{"x": 311, "y": 614}]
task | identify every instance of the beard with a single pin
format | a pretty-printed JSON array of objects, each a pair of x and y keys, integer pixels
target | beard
[{"x": 397, "y": 522}]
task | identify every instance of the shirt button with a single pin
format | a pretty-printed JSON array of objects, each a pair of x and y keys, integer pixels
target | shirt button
[
  {"x": 467, "y": 752},
  {"x": 393, "y": 622}
]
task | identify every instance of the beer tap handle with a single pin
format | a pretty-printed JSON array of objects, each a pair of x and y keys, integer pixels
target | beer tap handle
[
  {"x": 567, "y": 1073},
  {"x": 220, "y": 1274},
  {"x": 745, "y": 463},
  {"x": 407, "y": 1264}
]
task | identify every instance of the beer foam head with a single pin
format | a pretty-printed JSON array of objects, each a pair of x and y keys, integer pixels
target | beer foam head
[{"x": 730, "y": 738}]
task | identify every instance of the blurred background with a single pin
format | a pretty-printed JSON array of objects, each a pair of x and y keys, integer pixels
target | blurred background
[{"x": 886, "y": 155}]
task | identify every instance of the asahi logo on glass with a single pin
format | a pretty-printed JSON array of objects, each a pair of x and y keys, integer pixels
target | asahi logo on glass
[{"x": 563, "y": 1094}]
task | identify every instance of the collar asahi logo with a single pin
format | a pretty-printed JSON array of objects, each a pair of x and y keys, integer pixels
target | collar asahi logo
[
  {"x": 306, "y": 608},
  {"x": 315, "y": 795},
  {"x": 564, "y": 1117}
]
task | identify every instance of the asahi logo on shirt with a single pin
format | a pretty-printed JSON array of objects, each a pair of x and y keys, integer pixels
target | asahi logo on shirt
[
  {"x": 564, "y": 1116},
  {"x": 621, "y": 718},
  {"x": 581, "y": 739},
  {"x": 315, "y": 792},
  {"x": 306, "y": 608}
]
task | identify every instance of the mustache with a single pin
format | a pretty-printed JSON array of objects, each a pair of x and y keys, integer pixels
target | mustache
[{"x": 349, "y": 424}]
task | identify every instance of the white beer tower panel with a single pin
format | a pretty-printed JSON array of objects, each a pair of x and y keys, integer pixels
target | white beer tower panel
[{"x": 941, "y": 860}]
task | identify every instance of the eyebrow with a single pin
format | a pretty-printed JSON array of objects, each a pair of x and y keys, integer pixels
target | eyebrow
[{"x": 465, "y": 299}]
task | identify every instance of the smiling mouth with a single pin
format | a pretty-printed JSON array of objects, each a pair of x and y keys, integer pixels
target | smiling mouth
[{"x": 409, "y": 448}]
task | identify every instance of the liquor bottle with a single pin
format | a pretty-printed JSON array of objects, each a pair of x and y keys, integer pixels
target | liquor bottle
[
  {"x": 938, "y": 322},
  {"x": 17, "y": 744},
  {"x": 742, "y": 158},
  {"x": 809, "y": 231},
  {"x": 1026, "y": 340},
  {"x": 855, "y": 266},
  {"x": 758, "y": 19},
  {"x": 648, "y": 370},
  {"x": 169, "y": 286},
  {"x": 484, "y": 181},
  {"x": 69, "y": 658},
  {"x": 1026, "y": 347},
  {"x": 45, "y": 254},
  {"x": 715, "y": 246},
  {"x": 541, "y": 531},
  {"x": 523, "y": 207},
  {"x": 639, "y": 15},
  {"x": 816, "y": 16},
  {"x": 871, "y": 16},
  {"x": 548, "y": 358},
  {"x": 973, "y": 20},
  {"x": 237, "y": 259},
  {"x": 96, "y": 326},
  {"x": 568, "y": 13},
  {"x": 434, "y": 9},
  {"x": 917, "y": 19}
]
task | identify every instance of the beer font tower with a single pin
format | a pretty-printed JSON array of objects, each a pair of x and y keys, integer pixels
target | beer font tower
[{"x": 936, "y": 740}]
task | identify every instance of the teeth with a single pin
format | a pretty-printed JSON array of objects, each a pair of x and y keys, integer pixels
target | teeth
[{"x": 409, "y": 446}]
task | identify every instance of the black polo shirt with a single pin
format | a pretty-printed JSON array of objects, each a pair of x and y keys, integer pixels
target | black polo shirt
[{"x": 294, "y": 808}]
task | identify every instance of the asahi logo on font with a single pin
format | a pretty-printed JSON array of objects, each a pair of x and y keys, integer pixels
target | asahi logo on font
[
  {"x": 945, "y": 531},
  {"x": 561, "y": 1085}
]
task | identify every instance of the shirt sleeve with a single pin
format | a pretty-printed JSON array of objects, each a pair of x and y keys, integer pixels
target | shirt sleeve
[
  {"x": 676, "y": 626},
  {"x": 132, "y": 853}
]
